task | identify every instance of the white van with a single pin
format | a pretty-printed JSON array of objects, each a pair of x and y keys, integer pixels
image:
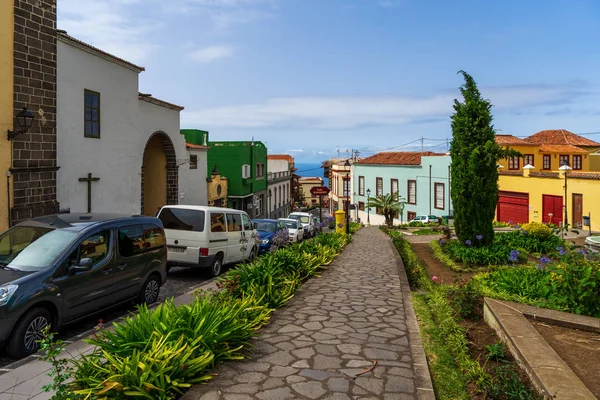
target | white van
[
  {"x": 206, "y": 237},
  {"x": 307, "y": 221}
]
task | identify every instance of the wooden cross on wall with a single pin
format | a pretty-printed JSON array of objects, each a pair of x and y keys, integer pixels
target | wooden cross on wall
[{"x": 89, "y": 179}]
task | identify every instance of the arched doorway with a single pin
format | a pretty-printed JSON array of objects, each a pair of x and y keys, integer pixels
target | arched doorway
[{"x": 159, "y": 174}]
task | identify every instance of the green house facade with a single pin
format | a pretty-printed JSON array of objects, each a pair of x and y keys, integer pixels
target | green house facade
[{"x": 244, "y": 164}]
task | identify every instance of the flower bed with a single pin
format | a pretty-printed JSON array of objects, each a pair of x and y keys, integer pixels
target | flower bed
[
  {"x": 159, "y": 353},
  {"x": 446, "y": 308},
  {"x": 507, "y": 248},
  {"x": 571, "y": 283}
]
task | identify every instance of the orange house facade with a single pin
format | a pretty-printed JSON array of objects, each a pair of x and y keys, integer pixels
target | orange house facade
[{"x": 533, "y": 188}]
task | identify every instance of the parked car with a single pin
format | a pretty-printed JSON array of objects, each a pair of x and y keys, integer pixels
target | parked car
[
  {"x": 57, "y": 269},
  {"x": 307, "y": 221},
  {"x": 424, "y": 219},
  {"x": 207, "y": 237},
  {"x": 272, "y": 233},
  {"x": 296, "y": 232}
]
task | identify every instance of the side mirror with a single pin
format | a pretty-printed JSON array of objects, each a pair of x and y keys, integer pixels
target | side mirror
[{"x": 85, "y": 264}]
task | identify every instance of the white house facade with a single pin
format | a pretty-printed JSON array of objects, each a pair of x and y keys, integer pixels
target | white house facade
[
  {"x": 118, "y": 150},
  {"x": 279, "y": 185}
]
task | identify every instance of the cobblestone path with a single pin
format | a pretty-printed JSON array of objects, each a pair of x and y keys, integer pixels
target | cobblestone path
[{"x": 350, "y": 334}]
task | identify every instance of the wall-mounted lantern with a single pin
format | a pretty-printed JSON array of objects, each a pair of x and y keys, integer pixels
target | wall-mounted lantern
[{"x": 24, "y": 121}]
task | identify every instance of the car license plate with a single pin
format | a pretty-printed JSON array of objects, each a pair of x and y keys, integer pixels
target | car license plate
[{"x": 176, "y": 249}]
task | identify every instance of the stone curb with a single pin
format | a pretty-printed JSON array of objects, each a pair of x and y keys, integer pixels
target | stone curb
[
  {"x": 548, "y": 372},
  {"x": 423, "y": 376}
]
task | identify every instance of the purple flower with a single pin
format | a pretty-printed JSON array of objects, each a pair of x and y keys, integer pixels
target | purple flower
[
  {"x": 581, "y": 251},
  {"x": 545, "y": 260},
  {"x": 468, "y": 242},
  {"x": 561, "y": 250},
  {"x": 479, "y": 237},
  {"x": 514, "y": 255},
  {"x": 540, "y": 266},
  {"x": 442, "y": 242}
]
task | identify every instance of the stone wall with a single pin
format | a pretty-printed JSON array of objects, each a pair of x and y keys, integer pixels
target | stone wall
[{"x": 34, "y": 153}]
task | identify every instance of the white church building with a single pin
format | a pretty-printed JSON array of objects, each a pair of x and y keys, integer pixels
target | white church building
[{"x": 119, "y": 150}]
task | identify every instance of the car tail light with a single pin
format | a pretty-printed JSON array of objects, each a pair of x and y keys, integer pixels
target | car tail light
[{"x": 203, "y": 251}]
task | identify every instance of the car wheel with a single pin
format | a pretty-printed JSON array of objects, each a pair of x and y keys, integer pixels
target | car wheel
[
  {"x": 150, "y": 290},
  {"x": 215, "y": 268},
  {"x": 27, "y": 333}
]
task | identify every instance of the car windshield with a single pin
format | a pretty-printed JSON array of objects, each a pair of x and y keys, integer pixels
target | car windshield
[
  {"x": 28, "y": 248},
  {"x": 291, "y": 224},
  {"x": 302, "y": 218},
  {"x": 265, "y": 226}
]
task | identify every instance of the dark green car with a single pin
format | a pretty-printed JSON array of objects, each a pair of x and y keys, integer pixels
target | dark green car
[{"x": 57, "y": 269}]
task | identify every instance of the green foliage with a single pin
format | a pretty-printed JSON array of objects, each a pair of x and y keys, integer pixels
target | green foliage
[
  {"x": 389, "y": 205},
  {"x": 448, "y": 381},
  {"x": 426, "y": 231},
  {"x": 438, "y": 252},
  {"x": 474, "y": 173},
  {"x": 574, "y": 285},
  {"x": 416, "y": 224},
  {"x": 500, "y": 224},
  {"x": 538, "y": 230},
  {"x": 507, "y": 248},
  {"x": 524, "y": 284},
  {"x": 505, "y": 384},
  {"x": 495, "y": 351},
  {"x": 466, "y": 299},
  {"x": 417, "y": 276},
  {"x": 61, "y": 370}
]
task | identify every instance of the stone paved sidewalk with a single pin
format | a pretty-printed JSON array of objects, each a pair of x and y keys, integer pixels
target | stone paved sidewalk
[{"x": 351, "y": 334}]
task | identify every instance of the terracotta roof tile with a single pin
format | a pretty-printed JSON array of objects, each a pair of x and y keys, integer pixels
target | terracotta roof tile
[
  {"x": 285, "y": 157},
  {"x": 561, "y": 148},
  {"x": 560, "y": 136},
  {"x": 584, "y": 175},
  {"x": 544, "y": 174},
  {"x": 398, "y": 158},
  {"x": 196, "y": 146},
  {"x": 507, "y": 140},
  {"x": 517, "y": 173}
]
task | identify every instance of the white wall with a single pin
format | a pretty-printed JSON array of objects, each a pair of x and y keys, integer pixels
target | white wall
[
  {"x": 192, "y": 182},
  {"x": 280, "y": 190},
  {"x": 126, "y": 124}
]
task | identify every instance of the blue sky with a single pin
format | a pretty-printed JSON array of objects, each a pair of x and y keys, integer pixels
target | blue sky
[{"x": 310, "y": 77}]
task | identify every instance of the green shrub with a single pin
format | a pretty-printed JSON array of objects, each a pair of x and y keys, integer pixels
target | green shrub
[
  {"x": 416, "y": 224},
  {"x": 159, "y": 352},
  {"x": 524, "y": 284},
  {"x": 416, "y": 274},
  {"x": 495, "y": 351},
  {"x": 574, "y": 285},
  {"x": 538, "y": 230}
]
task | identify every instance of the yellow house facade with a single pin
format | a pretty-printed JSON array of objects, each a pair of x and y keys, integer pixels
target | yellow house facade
[
  {"x": 532, "y": 188},
  {"x": 306, "y": 184},
  {"x": 217, "y": 189},
  {"x": 6, "y": 102},
  {"x": 542, "y": 196}
]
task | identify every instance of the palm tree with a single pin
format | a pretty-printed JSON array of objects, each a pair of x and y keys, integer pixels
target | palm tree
[{"x": 389, "y": 205}]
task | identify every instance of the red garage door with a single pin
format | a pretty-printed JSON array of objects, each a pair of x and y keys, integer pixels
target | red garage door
[
  {"x": 552, "y": 209},
  {"x": 513, "y": 207}
]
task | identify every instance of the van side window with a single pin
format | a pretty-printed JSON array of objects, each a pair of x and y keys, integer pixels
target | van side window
[
  {"x": 131, "y": 240},
  {"x": 182, "y": 219},
  {"x": 95, "y": 247},
  {"x": 247, "y": 223},
  {"x": 234, "y": 222},
  {"x": 217, "y": 222},
  {"x": 153, "y": 237}
]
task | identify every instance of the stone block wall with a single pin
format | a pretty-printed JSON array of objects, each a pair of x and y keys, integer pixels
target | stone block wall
[{"x": 34, "y": 153}]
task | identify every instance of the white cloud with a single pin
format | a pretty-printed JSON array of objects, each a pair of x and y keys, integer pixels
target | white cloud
[
  {"x": 109, "y": 25},
  {"x": 212, "y": 53},
  {"x": 294, "y": 151},
  {"x": 351, "y": 112}
]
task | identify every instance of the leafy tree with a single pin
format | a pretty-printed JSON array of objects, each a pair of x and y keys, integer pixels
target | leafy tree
[
  {"x": 389, "y": 205},
  {"x": 474, "y": 166}
]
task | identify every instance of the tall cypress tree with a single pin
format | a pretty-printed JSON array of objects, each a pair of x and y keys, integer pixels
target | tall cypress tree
[{"x": 474, "y": 172}]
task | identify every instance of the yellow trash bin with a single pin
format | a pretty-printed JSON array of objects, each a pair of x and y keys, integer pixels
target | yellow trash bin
[{"x": 340, "y": 221}]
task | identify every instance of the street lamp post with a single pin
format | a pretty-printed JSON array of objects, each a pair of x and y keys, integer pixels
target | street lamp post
[
  {"x": 347, "y": 166},
  {"x": 368, "y": 208},
  {"x": 565, "y": 168}
]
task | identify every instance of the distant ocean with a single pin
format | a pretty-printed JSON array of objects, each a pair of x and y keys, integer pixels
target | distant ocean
[{"x": 311, "y": 169}]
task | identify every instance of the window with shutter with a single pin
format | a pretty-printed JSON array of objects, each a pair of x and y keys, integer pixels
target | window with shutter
[
  {"x": 439, "y": 196},
  {"x": 379, "y": 187},
  {"x": 394, "y": 186},
  {"x": 361, "y": 185},
  {"x": 412, "y": 192}
]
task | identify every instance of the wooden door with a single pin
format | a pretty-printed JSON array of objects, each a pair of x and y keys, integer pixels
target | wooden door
[
  {"x": 552, "y": 211},
  {"x": 577, "y": 218}
]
